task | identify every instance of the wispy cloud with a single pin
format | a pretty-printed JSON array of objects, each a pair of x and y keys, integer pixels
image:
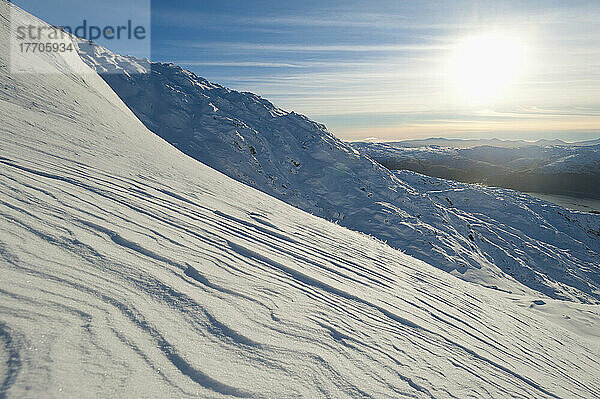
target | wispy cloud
[
  {"x": 339, "y": 62},
  {"x": 534, "y": 128},
  {"x": 292, "y": 47},
  {"x": 242, "y": 64}
]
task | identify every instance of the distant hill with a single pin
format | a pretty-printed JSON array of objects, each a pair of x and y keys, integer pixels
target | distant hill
[
  {"x": 468, "y": 143},
  {"x": 565, "y": 169}
]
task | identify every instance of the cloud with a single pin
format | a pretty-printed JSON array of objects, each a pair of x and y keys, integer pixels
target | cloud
[
  {"x": 244, "y": 64},
  {"x": 390, "y": 58},
  {"x": 293, "y": 47},
  {"x": 570, "y": 129}
]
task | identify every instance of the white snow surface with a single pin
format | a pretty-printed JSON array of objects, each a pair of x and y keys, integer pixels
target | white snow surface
[
  {"x": 528, "y": 246},
  {"x": 131, "y": 270},
  {"x": 583, "y": 161}
]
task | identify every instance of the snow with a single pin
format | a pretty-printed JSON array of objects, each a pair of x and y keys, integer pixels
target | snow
[
  {"x": 586, "y": 160},
  {"x": 494, "y": 142},
  {"x": 533, "y": 158},
  {"x": 129, "y": 269},
  {"x": 298, "y": 161}
]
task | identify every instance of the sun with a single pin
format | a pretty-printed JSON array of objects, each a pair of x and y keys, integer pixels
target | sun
[{"x": 483, "y": 68}]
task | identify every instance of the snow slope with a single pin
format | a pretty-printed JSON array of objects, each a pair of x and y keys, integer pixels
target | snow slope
[
  {"x": 131, "y": 270},
  {"x": 296, "y": 160}
]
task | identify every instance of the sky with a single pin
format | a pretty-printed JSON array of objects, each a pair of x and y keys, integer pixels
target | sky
[{"x": 389, "y": 70}]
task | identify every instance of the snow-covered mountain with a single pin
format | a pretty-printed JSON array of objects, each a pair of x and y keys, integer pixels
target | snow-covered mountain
[
  {"x": 131, "y": 270},
  {"x": 470, "y": 143},
  {"x": 584, "y": 159},
  {"x": 556, "y": 169},
  {"x": 530, "y": 244}
]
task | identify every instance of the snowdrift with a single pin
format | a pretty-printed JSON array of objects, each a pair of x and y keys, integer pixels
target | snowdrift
[{"x": 131, "y": 270}]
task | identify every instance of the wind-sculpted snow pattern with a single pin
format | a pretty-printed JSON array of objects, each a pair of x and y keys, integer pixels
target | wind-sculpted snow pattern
[
  {"x": 296, "y": 160},
  {"x": 131, "y": 270}
]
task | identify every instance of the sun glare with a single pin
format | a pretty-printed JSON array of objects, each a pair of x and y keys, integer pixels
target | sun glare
[{"x": 483, "y": 68}]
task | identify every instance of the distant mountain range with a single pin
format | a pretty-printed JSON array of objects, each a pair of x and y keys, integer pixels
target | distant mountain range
[
  {"x": 566, "y": 169},
  {"x": 494, "y": 142}
]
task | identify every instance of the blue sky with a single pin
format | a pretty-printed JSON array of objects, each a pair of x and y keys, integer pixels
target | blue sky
[{"x": 383, "y": 69}]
